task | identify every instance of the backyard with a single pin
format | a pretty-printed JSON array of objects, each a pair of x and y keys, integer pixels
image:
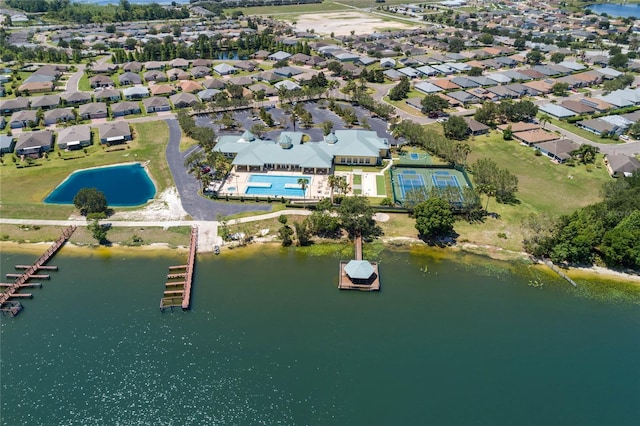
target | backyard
[{"x": 23, "y": 189}]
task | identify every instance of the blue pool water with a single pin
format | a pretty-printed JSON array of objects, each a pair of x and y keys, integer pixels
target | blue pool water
[
  {"x": 619, "y": 10},
  {"x": 274, "y": 185},
  {"x": 124, "y": 186}
]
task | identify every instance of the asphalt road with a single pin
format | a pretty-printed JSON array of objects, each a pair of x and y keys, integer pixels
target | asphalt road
[{"x": 198, "y": 207}]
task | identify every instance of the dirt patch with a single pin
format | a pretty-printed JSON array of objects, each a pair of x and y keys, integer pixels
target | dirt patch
[
  {"x": 342, "y": 23},
  {"x": 167, "y": 206}
]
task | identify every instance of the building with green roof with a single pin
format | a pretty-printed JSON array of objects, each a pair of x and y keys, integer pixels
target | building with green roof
[{"x": 288, "y": 153}]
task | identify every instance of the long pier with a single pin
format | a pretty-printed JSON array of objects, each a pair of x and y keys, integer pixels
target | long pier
[
  {"x": 13, "y": 307},
  {"x": 178, "y": 293}
]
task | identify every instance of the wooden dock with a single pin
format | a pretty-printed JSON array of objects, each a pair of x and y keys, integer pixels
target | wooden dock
[
  {"x": 359, "y": 274},
  {"x": 12, "y": 307},
  {"x": 178, "y": 293}
]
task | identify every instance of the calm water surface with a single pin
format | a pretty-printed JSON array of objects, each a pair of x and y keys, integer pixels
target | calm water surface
[
  {"x": 125, "y": 185},
  {"x": 270, "y": 340},
  {"x": 619, "y": 10}
]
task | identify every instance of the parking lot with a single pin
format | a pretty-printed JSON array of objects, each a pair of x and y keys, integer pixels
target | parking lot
[{"x": 246, "y": 119}]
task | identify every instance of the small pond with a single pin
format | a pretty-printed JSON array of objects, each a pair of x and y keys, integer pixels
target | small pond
[
  {"x": 124, "y": 186},
  {"x": 631, "y": 10}
]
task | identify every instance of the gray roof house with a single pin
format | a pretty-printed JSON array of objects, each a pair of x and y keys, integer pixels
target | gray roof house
[
  {"x": 100, "y": 81},
  {"x": 75, "y": 98},
  {"x": 183, "y": 100},
  {"x": 213, "y": 83},
  {"x": 179, "y": 63},
  {"x": 132, "y": 67},
  {"x": 45, "y": 102},
  {"x": 559, "y": 150},
  {"x": 108, "y": 95},
  {"x": 9, "y": 106},
  {"x": 120, "y": 109},
  {"x": 7, "y": 144},
  {"x": 34, "y": 143},
  {"x": 278, "y": 56},
  {"x": 93, "y": 110},
  {"x": 114, "y": 132},
  {"x": 426, "y": 87},
  {"x": 136, "y": 92},
  {"x": 199, "y": 72},
  {"x": 156, "y": 104},
  {"x": 21, "y": 119},
  {"x": 155, "y": 75},
  {"x": 464, "y": 97},
  {"x": 207, "y": 94},
  {"x": 621, "y": 165},
  {"x": 129, "y": 78},
  {"x": 74, "y": 137},
  {"x": 153, "y": 65},
  {"x": 557, "y": 111},
  {"x": 224, "y": 69},
  {"x": 58, "y": 115}
]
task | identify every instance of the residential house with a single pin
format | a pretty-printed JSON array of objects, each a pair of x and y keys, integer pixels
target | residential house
[
  {"x": 7, "y": 144},
  {"x": 464, "y": 97},
  {"x": 155, "y": 75},
  {"x": 225, "y": 69},
  {"x": 557, "y": 111},
  {"x": 9, "y": 106},
  {"x": 268, "y": 90},
  {"x": 248, "y": 66},
  {"x": 178, "y": 74},
  {"x": 558, "y": 150},
  {"x": 74, "y": 137},
  {"x": 428, "y": 88},
  {"x": 153, "y": 66},
  {"x": 105, "y": 68},
  {"x": 200, "y": 72},
  {"x": 598, "y": 104},
  {"x": 36, "y": 87},
  {"x": 202, "y": 63},
  {"x": 189, "y": 86},
  {"x": 162, "y": 89},
  {"x": 464, "y": 82},
  {"x": 100, "y": 81},
  {"x": 132, "y": 67},
  {"x": 34, "y": 143},
  {"x": 475, "y": 127},
  {"x": 108, "y": 96},
  {"x": 55, "y": 116},
  {"x": 620, "y": 165},
  {"x": 24, "y": 118},
  {"x": 75, "y": 98},
  {"x": 213, "y": 83},
  {"x": 45, "y": 102},
  {"x": 287, "y": 84},
  {"x": 114, "y": 132},
  {"x": 137, "y": 92},
  {"x": 183, "y": 100},
  {"x": 179, "y": 63},
  {"x": 578, "y": 108},
  {"x": 129, "y": 78},
  {"x": 287, "y": 72},
  {"x": 278, "y": 56},
  {"x": 533, "y": 137},
  {"x": 120, "y": 109},
  {"x": 156, "y": 104},
  {"x": 93, "y": 110},
  {"x": 597, "y": 126}
]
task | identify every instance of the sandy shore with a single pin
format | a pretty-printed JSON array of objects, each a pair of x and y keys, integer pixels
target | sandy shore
[{"x": 154, "y": 249}]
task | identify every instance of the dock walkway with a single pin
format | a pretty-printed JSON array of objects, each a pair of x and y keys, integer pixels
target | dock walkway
[
  {"x": 178, "y": 293},
  {"x": 12, "y": 307}
]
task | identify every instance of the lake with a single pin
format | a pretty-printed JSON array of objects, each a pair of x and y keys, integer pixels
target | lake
[
  {"x": 123, "y": 186},
  {"x": 618, "y": 10},
  {"x": 270, "y": 340}
]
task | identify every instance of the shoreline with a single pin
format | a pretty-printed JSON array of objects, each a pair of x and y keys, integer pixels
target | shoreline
[{"x": 491, "y": 252}]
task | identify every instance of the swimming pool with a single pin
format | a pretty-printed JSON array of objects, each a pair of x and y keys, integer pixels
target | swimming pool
[
  {"x": 275, "y": 185},
  {"x": 123, "y": 186}
]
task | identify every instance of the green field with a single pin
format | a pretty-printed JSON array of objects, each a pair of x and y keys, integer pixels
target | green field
[{"x": 24, "y": 189}]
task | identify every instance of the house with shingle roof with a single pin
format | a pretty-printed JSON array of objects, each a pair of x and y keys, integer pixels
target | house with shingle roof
[
  {"x": 533, "y": 137},
  {"x": 45, "y": 102},
  {"x": 278, "y": 56},
  {"x": 155, "y": 75},
  {"x": 225, "y": 69},
  {"x": 34, "y": 143},
  {"x": 162, "y": 89},
  {"x": 100, "y": 81},
  {"x": 120, "y": 109},
  {"x": 213, "y": 83},
  {"x": 183, "y": 100},
  {"x": 114, "y": 132},
  {"x": 59, "y": 115},
  {"x": 137, "y": 92},
  {"x": 93, "y": 110},
  {"x": 9, "y": 106},
  {"x": 556, "y": 111},
  {"x": 558, "y": 150},
  {"x": 74, "y": 137},
  {"x": 153, "y": 66},
  {"x": 129, "y": 78},
  {"x": 7, "y": 144},
  {"x": 156, "y": 104},
  {"x": 620, "y": 165},
  {"x": 75, "y": 98},
  {"x": 23, "y": 118},
  {"x": 132, "y": 67},
  {"x": 189, "y": 86},
  {"x": 179, "y": 63},
  {"x": 108, "y": 95}
]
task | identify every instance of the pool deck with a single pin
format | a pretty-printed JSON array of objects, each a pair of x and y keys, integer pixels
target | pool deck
[{"x": 236, "y": 184}]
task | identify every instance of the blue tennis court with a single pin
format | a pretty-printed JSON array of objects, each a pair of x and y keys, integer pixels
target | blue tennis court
[
  {"x": 410, "y": 181},
  {"x": 442, "y": 181},
  {"x": 414, "y": 156}
]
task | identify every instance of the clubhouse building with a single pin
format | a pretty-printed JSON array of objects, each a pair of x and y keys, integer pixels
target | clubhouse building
[{"x": 289, "y": 153}]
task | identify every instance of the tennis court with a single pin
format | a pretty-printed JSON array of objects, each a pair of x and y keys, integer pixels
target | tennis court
[
  {"x": 405, "y": 179},
  {"x": 415, "y": 159}
]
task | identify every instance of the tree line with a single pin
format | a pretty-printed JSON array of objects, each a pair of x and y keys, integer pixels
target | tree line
[{"x": 607, "y": 231}]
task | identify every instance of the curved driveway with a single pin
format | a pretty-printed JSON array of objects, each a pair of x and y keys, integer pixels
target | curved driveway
[{"x": 197, "y": 207}]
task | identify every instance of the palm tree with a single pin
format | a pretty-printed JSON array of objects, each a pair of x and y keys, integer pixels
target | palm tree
[
  {"x": 544, "y": 119},
  {"x": 303, "y": 182}
]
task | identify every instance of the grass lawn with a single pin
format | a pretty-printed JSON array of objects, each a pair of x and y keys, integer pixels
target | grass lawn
[
  {"x": 357, "y": 179},
  {"x": 83, "y": 84},
  {"x": 290, "y": 12},
  {"x": 381, "y": 186},
  {"x": 187, "y": 142},
  {"x": 582, "y": 132},
  {"x": 23, "y": 189}
]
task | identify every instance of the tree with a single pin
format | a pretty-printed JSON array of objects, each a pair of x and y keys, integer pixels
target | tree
[
  {"x": 474, "y": 72},
  {"x": 486, "y": 38},
  {"x": 507, "y": 133},
  {"x": 356, "y": 217},
  {"x": 434, "y": 218},
  {"x": 560, "y": 89},
  {"x": 304, "y": 183},
  {"x": 634, "y": 130},
  {"x": 621, "y": 245},
  {"x": 400, "y": 91},
  {"x": 557, "y": 57},
  {"x": 98, "y": 231},
  {"x": 586, "y": 153},
  {"x": 619, "y": 60},
  {"x": 327, "y": 127},
  {"x": 456, "y": 128},
  {"x": 335, "y": 67},
  {"x": 535, "y": 57},
  {"x": 455, "y": 44},
  {"x": 433, "y": 104},
  {"x": 487, "y": 114},
  {"x": 90, "y": 200},
  {"x": 285, "y": 233},
  {"x": 303, "y": 233},
  {"x": 544, "y": 119}
]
